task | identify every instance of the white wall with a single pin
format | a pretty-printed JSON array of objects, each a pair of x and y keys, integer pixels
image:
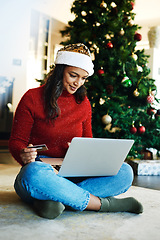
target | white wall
[
  {"x": 16, "y": 60},
  {"x": 14, "y": 31},
  {"x": 147, "y": 15},
  {"x": 58, "y": 9},
  {"x": 154, "y": 65}
]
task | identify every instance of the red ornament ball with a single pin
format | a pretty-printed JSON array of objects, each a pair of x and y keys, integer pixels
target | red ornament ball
[
  {"x": 132, "y": 5},
  {"x": 151, "y": 111},
  {"x": 109, "y": 89},
  {"x": 109, "y": 45},
  {"x": 141, "y": 129},
  {"x": 137, "y": 37},
  {"x": 133, "y": 130},
  {"x": 100, "y": 72},
  {"x": 150, "y": 99}
]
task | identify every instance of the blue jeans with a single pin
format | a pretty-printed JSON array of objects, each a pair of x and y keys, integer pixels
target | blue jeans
[{"x": 38, "y": 180}]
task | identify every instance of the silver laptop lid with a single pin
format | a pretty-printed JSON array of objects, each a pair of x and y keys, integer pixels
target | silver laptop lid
[{"x": 95, "y": 157}]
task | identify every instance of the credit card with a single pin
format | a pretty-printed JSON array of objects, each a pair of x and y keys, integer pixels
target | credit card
[{"x": 41, "y": 147}]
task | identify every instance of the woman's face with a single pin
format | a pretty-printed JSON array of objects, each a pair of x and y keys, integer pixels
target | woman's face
[{"x": 73, "y": 78}]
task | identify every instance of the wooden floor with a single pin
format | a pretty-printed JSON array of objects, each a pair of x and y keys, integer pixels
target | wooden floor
[{"x": 152, "y": 182}]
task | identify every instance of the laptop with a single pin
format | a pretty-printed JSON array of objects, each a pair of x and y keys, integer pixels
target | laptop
[{"x": 88, "y": 157}]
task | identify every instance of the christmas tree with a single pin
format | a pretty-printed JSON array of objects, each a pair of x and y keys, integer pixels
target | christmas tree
[{"x": 121, "y": 93}]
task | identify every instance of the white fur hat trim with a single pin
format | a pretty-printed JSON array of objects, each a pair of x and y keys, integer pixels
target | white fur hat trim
[{"x": 75, "y": 59}]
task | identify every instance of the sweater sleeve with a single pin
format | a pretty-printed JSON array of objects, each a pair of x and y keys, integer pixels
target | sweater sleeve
[
  {"x": 22, "y": 125},
  {"x": 87, "y": 124}
]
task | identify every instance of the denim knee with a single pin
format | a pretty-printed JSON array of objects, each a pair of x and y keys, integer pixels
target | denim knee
[
  {"x": 127, "y": 172},
  {"x": 34, "y": 171},
  {"x": 109, "y": 185},
  {"x": 30, "y": 175}
]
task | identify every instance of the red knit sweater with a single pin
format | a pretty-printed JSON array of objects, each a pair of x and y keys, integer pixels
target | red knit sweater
[{"x": 30, "y": 124}]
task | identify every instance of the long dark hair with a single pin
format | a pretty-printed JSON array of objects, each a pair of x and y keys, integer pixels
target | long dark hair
[{"x": 54, "y": 88}]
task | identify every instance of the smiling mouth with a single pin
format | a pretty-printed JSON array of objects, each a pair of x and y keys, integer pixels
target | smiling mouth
[{"x": 73, "y": 88}]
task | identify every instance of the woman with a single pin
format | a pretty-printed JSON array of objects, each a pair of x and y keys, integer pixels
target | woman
[{"x": 53, "y": 114}]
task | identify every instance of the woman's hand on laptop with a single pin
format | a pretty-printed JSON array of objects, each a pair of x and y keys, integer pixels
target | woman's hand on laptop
[{"x": 28, "y": 155}]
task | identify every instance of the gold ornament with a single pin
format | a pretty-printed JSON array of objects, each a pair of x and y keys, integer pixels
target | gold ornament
[
  {"x": 103, "y": 4},
  {"x": 113, "y": 5},
  {"x": 121, "y": 33},
  {"x": 83, "y": 13},
  {"x": 101, "y": 101},
  {"x": 107, "y": 36},
  {"x": 131, "y": 23},
  {"x": 98, "y": 24},
  {"x": 139, "y": 69},
  {"x": 106, "y": 119},
  {"x": 134, "y": 56},
  {"x": 136, "y": 93}
]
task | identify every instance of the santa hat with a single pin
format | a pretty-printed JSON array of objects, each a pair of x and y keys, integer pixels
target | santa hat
[{"x": 76, "y": 55}]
